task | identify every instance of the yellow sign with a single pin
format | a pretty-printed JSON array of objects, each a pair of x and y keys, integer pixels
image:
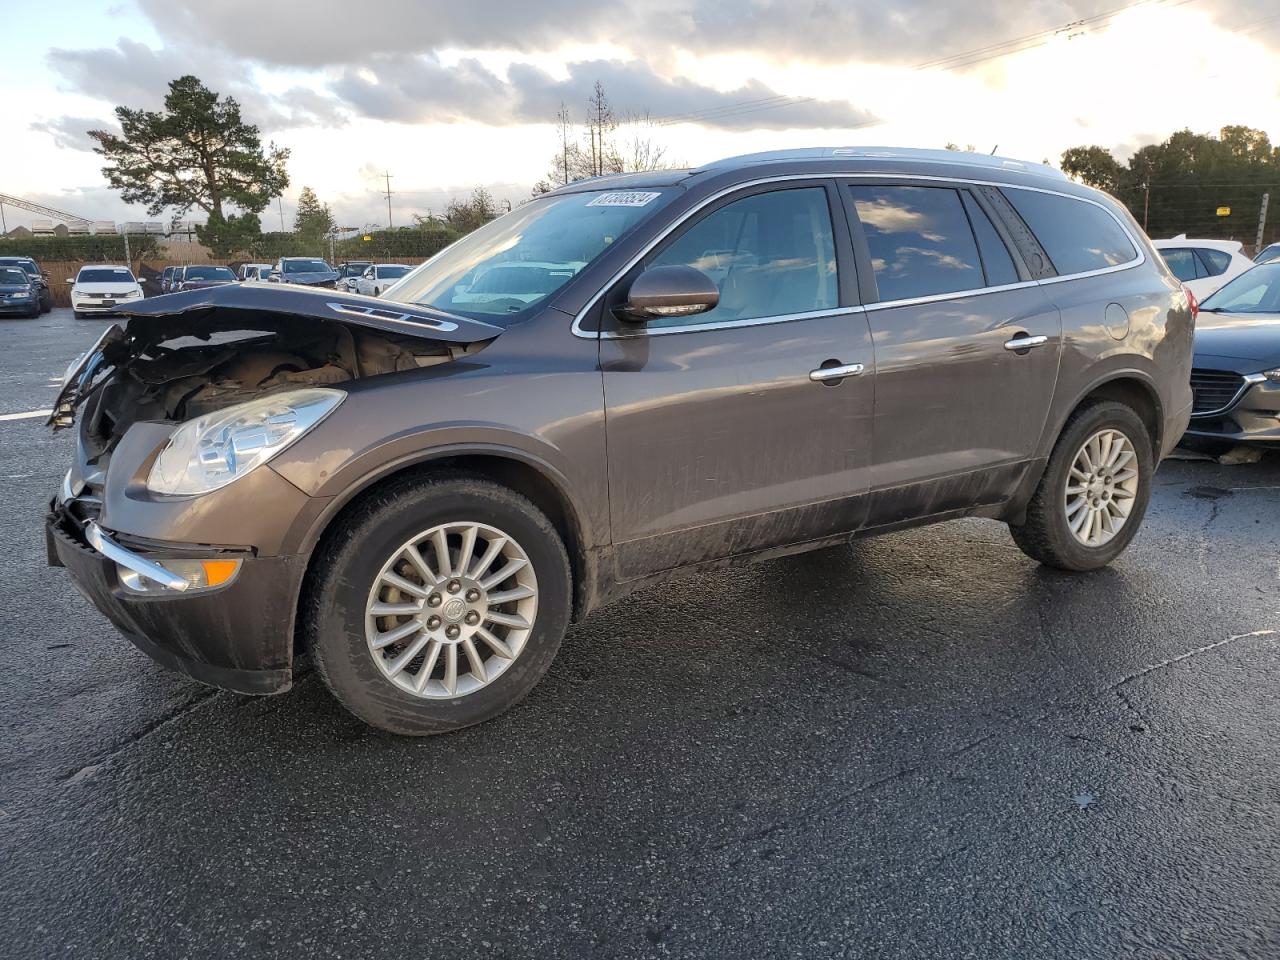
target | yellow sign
[
  {"x": 366, "y": 238},
  {"x": 1224, "y": 211}
]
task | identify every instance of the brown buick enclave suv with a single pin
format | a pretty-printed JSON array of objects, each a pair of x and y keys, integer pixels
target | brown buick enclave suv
[{"x": 622, "y": 380}]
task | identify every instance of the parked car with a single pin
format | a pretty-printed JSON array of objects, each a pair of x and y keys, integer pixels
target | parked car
[
  {"x": 349, "y": 273},
  {"x": 199, "y": 277},
  {"x": 377, "y": 277},
  {"x": 41, "y": 279},
  {"x": 19, "y": 292},
  {"x": 304, "y": 271},
  {"x": 101, "y": 288},
  {"x": 433, "y": 487},
  {"x": 1203, "y": 265},
  {"x": 1236, "y": 373},
  {"x": 1267, "y": 254},
  {"x": 166, "y": 279},
  {"x": 529, "y": 280},
  {"x": 255, "y": 271}
]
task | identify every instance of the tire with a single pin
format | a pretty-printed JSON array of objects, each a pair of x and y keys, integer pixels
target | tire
[
  {"x": 1046, "y": 534},
  {"x": 348, "y": 577},
  {"x": 35, "y": 310},
  {"x": 46, "y": 302},
  {"x": 78, "y": 315}
]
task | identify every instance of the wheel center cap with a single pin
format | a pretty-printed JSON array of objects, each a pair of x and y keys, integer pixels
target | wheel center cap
[{"x": 454, "y": 610}]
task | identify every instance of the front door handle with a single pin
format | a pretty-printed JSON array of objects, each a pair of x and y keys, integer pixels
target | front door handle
[
  {"x": 835, "y": 370},
  {"x": 1024, "y": 342}
]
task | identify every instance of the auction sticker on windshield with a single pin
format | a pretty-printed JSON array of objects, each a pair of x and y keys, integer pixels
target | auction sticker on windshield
[{"x": 629, "y": 199}]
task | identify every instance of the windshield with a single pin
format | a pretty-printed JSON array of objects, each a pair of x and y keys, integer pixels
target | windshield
[
  {"x": 29, "y": 266},
  {"x": 354, "y": 269},
  {"x": 1254, "y": 291},
  {"x": 306, "y": 266},
  {"x": 1270, "y": 253},
  {"x": 208, "y": 273},
  {"x": 392, "y": 271},
  {"x": 105, "y": 275},
  {"x": 511, "y": 264},
  {"x": 12, "y": 275}
]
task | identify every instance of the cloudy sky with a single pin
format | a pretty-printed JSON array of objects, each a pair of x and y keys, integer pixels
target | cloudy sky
[{"x": 450, "y": 95}]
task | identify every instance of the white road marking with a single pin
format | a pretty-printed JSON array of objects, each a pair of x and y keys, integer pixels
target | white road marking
[{"x": 30, "y": 415}]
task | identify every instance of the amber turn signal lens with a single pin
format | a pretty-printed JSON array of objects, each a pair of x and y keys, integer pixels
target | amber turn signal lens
[{"x": 217, "y": 572}]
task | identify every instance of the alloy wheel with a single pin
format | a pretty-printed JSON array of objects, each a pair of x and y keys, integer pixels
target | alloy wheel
[
  {"x": 1101, "y": 487},
  {"x": 451, "y": 610}
]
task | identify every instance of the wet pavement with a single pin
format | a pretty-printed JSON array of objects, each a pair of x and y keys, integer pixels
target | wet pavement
[{"x": 920, "y": 745}]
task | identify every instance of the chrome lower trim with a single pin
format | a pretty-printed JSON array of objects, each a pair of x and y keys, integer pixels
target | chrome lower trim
[
  {"x": 131, "y": 561},
  {"x": 1250, "y": 380}
]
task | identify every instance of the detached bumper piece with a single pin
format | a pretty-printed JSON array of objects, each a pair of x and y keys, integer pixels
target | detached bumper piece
[{"x": 236, "y": 634}]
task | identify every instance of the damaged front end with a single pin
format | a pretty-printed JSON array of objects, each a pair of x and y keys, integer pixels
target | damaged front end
[
  {"x": 187, "y": 354},
  {"x": 196, "y": 390}
]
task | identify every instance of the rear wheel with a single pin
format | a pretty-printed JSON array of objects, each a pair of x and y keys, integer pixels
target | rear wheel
[
  {"x": 439, "y": 604},
  {"x": 1094, "y": 491}
]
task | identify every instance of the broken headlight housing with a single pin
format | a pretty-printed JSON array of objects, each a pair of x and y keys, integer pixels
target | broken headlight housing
[{"x": 210, "y": 451}]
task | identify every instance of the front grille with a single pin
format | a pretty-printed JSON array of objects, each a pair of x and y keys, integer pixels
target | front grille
[{"x": 1213, "y": 389}]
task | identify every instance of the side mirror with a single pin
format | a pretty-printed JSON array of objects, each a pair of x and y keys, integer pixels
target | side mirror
[
  {"x": 675, "y": 290},
  {"x": 71, "y": 280},
  {"x": 274, "y": 275}
]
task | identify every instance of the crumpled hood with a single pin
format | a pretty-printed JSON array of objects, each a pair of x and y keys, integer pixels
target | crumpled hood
[
  {"x": 1253, "y": 340},
  {"x": 236, "y": 307}
]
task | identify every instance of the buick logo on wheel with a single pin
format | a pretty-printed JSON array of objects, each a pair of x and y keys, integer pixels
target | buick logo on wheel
[{"x": 454, "y": 609}]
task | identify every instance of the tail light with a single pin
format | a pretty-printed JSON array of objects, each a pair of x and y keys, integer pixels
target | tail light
[{"x": 1192, "y": 302}]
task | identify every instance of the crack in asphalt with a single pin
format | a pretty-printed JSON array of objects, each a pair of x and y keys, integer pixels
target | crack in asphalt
[{"x": 1163, "y": 664}]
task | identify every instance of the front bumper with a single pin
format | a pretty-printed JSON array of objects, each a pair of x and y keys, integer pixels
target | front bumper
[
  {"x": 238, "y": 637},
  {"x": 19, "y": 306},
  {"x": 1254, "y": 418}
]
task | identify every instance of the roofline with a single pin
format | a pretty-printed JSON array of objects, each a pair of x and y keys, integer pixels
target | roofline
[{"x": 909, "y": 154}]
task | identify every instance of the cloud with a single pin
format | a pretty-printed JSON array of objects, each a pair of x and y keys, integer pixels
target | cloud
[
  {"x": 72, "y": 133},
  {"x": 316, "y": 33},
  {"x": 135, "y": 75},
  {"x": 413, "y": 89}
]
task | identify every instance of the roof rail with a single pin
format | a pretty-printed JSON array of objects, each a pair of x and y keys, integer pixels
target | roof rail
[{"x": 916, "y": 155}]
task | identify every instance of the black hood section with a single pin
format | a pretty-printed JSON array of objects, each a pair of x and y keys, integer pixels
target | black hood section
[{"x": 1250, "y": 341}]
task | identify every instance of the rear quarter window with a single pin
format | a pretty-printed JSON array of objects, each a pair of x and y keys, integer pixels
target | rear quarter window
[
  {"x": 1078, "y": 236},
  {"x": 1216, "y": 260}
]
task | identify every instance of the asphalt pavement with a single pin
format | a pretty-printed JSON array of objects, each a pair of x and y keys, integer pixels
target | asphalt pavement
[{"x": 922, "y": 745}]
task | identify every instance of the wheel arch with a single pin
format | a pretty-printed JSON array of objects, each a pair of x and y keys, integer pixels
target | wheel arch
[
  {"x": 1133, "y": 388},
  {"x": 515, "y": 469}
]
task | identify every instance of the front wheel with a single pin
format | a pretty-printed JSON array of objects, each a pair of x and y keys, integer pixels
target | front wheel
[
  {"x": 439, "y": 603},
  {"x": 1094, "y": 491}
]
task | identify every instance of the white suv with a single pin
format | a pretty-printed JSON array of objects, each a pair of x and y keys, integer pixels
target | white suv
[{"x": 1203, "y": 265}]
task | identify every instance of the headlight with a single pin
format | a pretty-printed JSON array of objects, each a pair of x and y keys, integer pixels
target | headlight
[
  {"x": 1272, "y": 375},
  {"x": 210, "y": 451}
]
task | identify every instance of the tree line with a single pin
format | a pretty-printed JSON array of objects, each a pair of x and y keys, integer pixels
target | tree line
[{"x": 1181, "y": 184}]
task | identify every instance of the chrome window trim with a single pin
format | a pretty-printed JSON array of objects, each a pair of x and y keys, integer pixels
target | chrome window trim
[
  {"x": 578, "y": 331},
  {"x": 1251, "y": 380},
  {"x": 643, "y": 330}
]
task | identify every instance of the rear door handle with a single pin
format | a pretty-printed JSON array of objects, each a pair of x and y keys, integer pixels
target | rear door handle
[
  {"x": 836, "y": 372},
  {"x": 1024, "y": 342}
]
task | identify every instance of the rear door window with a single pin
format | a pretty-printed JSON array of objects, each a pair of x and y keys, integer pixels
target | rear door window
[
  {"x": 1182, "y": 261},
  {"x": 996, "y": 261},
  {"x": 919, "y": 238},
  {"x": 1079, "y": 236}
]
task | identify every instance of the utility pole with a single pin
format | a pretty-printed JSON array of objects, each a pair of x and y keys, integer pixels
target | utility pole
[
  {"x": 1262, "y": 221},
  {"x": 1146, "y": 205},
  {"x": 128, "y": 260},
  {"x": 386, "y": 176},
  {"x": 280, "y": 207}
]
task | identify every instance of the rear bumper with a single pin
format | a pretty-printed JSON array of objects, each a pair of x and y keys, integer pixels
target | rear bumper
[{"x": 238, "y": 637}]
